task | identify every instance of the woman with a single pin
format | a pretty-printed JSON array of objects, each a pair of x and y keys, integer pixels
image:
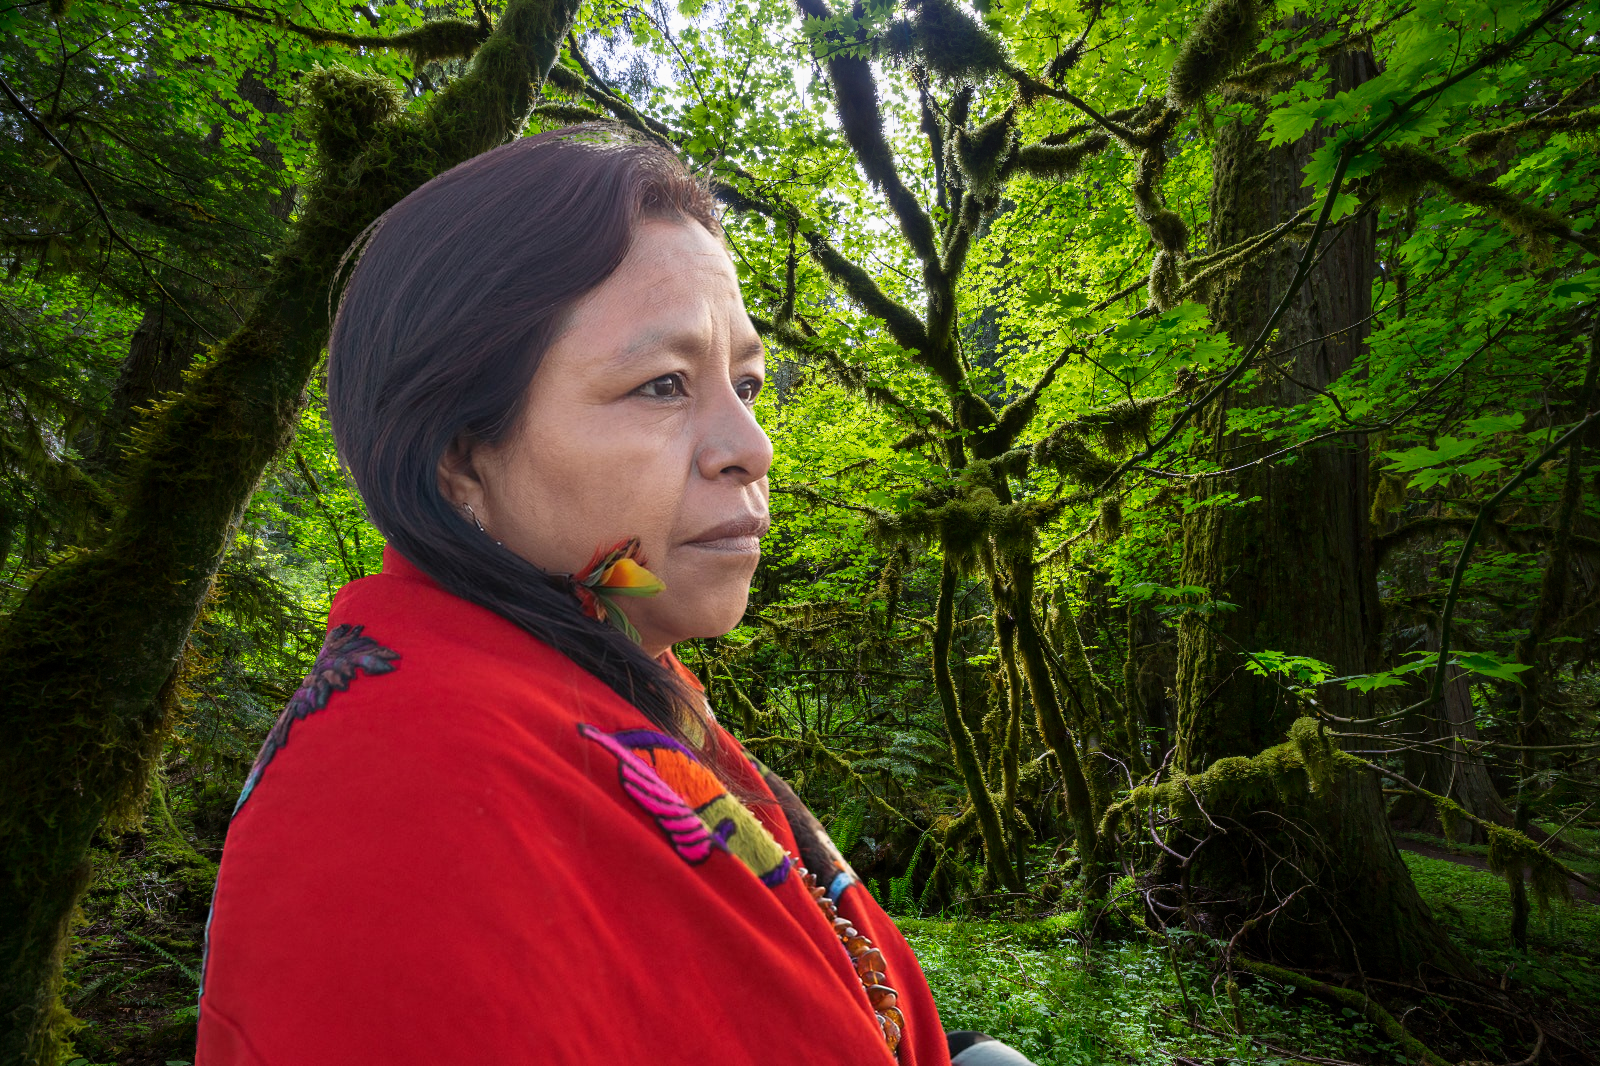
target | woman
[{"x": 498, "y": 823}]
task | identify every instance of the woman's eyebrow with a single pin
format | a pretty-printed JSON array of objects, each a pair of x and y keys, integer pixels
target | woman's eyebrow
[
  {"x": 676, "y": 340},
  {"x": 655, "y": 340}
]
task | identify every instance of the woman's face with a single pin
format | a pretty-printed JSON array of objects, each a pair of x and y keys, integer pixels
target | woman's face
[{"x": 639, "y": 423}]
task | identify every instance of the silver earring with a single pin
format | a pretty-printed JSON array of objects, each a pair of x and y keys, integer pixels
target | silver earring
[{"x": 467, "y": 507}]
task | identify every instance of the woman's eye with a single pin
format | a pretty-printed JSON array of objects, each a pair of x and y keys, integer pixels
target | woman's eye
[
  {"x": 748, "y": 389},
  {"x": 665, "y": 387}
]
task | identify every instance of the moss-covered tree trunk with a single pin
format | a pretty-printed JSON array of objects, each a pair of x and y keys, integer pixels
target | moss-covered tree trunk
[
  {"x": 962, "y": 743},
  {"x": 1297, "y": 563},
  {"x": 1084, "y": 806},
  {"x": 86, "y": 657}
]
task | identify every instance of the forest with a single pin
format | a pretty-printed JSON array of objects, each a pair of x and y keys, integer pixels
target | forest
[{"x": 1182, "y": 603}]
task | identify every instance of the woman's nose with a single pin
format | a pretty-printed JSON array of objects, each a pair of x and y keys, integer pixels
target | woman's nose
[{"x": 732, "y": 443}]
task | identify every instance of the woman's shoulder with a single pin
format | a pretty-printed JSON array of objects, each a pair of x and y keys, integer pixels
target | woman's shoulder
[
  {"x": 434, "y": 642},
  {"x": 409, "y": 674}
]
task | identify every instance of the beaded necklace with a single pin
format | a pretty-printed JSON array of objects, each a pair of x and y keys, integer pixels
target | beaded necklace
[{"x": 868, "y": 962}]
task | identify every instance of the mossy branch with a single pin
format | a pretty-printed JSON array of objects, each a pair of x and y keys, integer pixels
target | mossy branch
[
  {"x": 1204, "y": 271},
  {"x": 1307, "y": 762},
  {"x": 1407, "y": 168},
  {"x": 567, "y": 114},
  {"x": 798, "y": 339},
  {"x": 1060, "y": 161},
  {"x": 586, "y": 81},
  {"x": 1265, "y": 77},
  {"x": 856, "y": 101},
  {"x": 1509, "y": 850},
  {"x": 434, "y": 40},
  {"x": 1515, "y": 536},
  {"x": 904, "y": 326},
  {"x": 1386, "y": 1023},
  {"x": 1481, "y": 146}
]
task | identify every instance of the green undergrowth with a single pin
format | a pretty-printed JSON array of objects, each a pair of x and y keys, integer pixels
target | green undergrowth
[
  {"x": 1032, "y": 985},
  {"x": 1039, "y": 984},
  {"x": 1035, "y": 985},
  {"x": 1474, "y": 905}
]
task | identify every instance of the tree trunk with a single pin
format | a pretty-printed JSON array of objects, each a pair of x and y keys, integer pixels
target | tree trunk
[
  {"x": 962, "y": 744},
  {"x": 1082, "y": 808},
  {"x": 1297, "y": 563},
  {"x": 87, "y": 657},
  {"x": 162, "y": 347}
]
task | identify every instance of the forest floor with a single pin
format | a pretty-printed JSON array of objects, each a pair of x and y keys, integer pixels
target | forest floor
[
  {"x": 1042, "y": 985},
  {"x": 1477, "y": 857},
  {"x": 1059, "y": 999}
]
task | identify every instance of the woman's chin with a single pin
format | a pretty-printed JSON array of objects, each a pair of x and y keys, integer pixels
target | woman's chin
[{"x": 707, "y": 617}]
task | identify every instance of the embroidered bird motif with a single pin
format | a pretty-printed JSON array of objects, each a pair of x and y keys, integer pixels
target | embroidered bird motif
[
  {"x": 345, "y": 653},
  {"x": 688, "y": 802}
]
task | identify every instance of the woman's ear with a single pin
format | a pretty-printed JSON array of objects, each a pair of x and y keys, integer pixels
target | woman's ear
[{"x": 459, "y": 480}]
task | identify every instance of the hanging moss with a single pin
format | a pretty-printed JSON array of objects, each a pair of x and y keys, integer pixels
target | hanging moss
[
  {"x": 947, "y": 41},
  {"x": 1065, "y": 60},
  {"x": 983, "y": 153},
  {"x": 1059, "y": 161},
  {"x": 345, "y": 109},
  {"x": 1070, "y": 455},
  {"x": 1166, "y": 283},
  {"x": 1514, "y": 856},
  {"x": 1169, "y": 230},
  {"x": 1224, "y": 37},
  {"x": 1123, "y": 425},
  {"x": 1110, "y": 518},
  {"x": 1389, "y": 493}
]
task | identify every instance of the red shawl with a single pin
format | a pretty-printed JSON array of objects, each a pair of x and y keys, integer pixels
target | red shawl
[{"x": 459, "y": 847}]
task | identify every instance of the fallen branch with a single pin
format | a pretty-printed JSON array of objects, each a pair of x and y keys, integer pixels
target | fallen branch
[
  {"x": 1347, "y": 997},
  {"x": 1520, "y": 839}
]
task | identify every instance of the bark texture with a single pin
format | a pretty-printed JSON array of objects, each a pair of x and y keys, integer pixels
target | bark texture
[{"x": 1298, "y": 565}]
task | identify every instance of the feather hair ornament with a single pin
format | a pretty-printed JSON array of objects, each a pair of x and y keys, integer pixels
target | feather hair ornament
[{"x": 615, "y": 571}]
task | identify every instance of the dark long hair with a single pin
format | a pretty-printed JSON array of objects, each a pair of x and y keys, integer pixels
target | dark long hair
[{"x": 458, "y": 292}]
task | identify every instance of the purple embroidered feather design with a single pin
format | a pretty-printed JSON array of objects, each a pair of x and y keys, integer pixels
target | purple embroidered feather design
[
  {"x": 689, "y": 836},
  {"x": 345, "y": 655}
]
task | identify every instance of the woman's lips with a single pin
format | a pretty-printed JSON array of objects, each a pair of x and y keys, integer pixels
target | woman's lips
[{"x": 738, "y": 536}]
